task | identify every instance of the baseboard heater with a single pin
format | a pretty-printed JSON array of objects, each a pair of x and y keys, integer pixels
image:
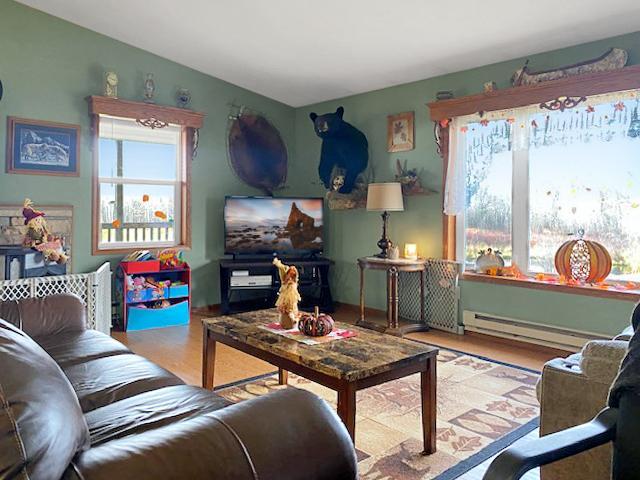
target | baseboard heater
[{"x": 524, "y": 331}]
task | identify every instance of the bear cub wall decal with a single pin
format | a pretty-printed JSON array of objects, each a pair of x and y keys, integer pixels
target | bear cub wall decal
[{"x": 343, "y": 146}]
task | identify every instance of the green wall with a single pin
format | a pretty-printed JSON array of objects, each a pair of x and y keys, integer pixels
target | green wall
[
  {"x": 48, "y": 67},
  {"x": 351, "y": 234}
]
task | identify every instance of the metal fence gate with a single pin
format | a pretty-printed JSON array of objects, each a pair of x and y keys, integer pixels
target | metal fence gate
[{"x": 441, "y": 294}]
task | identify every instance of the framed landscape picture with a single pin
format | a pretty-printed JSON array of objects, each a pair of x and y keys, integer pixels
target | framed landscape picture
[
  {"x": 42, "y": 148},
  {"x": 400, "y": 132}
]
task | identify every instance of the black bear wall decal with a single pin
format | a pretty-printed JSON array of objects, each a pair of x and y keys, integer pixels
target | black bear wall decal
[{"x": 343, "y": 146}]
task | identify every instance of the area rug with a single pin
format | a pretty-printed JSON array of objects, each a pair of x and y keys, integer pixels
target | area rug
[{"x": 483, "y": 406}]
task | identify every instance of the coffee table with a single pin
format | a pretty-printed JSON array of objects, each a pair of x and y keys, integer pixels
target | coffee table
[{"x": 346, "y": 365}]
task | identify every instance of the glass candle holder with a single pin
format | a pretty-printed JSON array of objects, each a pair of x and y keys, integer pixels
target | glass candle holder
[{"x": 410, "y": 251}]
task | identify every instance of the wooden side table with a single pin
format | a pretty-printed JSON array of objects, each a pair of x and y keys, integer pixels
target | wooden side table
[{"x": 392, "y": 269}]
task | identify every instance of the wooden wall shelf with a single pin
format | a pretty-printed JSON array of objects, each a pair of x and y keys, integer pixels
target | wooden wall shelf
[
  {"x": 140, "y": 110},
  {"x": 626, "y": 78}
]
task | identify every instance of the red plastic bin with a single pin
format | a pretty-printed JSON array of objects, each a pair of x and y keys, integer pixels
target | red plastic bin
[{"x": 146, "y": 266}]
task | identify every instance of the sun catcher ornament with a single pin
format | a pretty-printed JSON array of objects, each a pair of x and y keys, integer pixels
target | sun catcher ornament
[
  {"x": 583, "y": 261},
  {"x": 315, "y": 324}
]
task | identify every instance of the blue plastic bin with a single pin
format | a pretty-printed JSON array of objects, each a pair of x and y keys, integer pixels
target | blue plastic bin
[
  {"x": 179, "y": 291},
  {"x": 146, "y": 318},
  {"x": 147, "y": 294}
]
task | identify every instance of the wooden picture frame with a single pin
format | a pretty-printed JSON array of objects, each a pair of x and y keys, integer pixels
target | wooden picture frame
[
  {"x": 37, "y": 147},
  {"x": 400, "y": 132}
]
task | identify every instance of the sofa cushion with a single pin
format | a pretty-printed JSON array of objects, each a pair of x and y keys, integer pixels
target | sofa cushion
[
  {"x": 150, "y": 410},
  {"x": 41, "y": 423},
  {"x": 74, "y": 347},
  {"x": 9, "y": 312},
  {"x": 52, "y": 315},
  {"x": 106, "y": 380}
]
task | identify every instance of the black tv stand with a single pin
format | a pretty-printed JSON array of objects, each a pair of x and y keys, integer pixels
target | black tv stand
[{"x": 252, "y": 284}]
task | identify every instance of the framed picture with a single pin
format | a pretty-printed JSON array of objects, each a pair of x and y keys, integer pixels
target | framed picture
[
  {"x": 400, "y": 132},
  {"x": 42, "y": 148}
]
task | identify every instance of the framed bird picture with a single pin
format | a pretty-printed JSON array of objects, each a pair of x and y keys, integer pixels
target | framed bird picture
[
  {"x": 42, "y": 148},
  {"x": 400, "y": 132}
]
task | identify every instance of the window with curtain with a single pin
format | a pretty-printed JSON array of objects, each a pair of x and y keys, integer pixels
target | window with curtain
[
  {"x": 141, "y": 175},
  {"x": 523, "y": 181}
]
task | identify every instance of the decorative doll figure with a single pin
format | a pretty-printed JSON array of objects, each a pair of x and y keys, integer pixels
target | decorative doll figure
[
  {"x": 38, "y": 236},
  {"x": 149, "y": 89},
  {"x": 111, "y": 85},
  {"x": 288, "y": 296}
]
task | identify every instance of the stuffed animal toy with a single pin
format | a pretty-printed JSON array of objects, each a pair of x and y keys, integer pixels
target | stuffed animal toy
[
  {"x": 171, "y": 258},
  {"x": 288, "y": 296},
  {"x": 139, "y": 283},
  {"x": 343, "y": 147},
  {"x": 38, "y": 236}
]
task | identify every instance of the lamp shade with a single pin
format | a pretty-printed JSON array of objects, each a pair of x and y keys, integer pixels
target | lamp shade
[{"x": 385, "y": 197}]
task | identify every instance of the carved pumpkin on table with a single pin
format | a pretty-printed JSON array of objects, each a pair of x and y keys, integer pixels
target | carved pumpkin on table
[
  {"x": 315, "y": 324},
  {"x": 584, "y": 261}
]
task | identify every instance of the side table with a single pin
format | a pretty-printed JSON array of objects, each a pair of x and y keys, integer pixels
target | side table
[{"x": 392, "y": 269}]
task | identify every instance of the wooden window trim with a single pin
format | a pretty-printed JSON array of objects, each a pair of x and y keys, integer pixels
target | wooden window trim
[
  {"x": 442, "y": 111},
  {"x": 189, "y": 120},
  {"x": 626, "y": 78}
]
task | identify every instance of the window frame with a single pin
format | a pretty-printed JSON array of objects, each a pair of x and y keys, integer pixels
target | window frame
[
  {"x": 442, "y": 111},
  {"x": 189, "y": 122}
]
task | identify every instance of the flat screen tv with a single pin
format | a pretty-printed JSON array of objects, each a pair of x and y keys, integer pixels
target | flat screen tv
[{"x": 267, "y": 225}]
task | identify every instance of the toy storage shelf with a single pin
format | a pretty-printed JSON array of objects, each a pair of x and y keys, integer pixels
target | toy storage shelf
[{"x": 135, "y": 305}]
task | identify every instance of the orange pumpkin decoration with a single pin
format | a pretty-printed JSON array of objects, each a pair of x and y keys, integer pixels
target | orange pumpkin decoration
[{"x": 584, "y": 261}]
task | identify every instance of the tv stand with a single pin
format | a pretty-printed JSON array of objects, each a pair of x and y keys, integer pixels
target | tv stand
[{"x": 252, "y": 284}]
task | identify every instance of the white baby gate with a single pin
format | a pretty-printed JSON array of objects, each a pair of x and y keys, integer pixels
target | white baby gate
[{"x": 94, "y": 289}]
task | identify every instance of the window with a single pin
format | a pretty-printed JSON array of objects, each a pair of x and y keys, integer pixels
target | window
[
  {"x": 534, "y": 177},
  {"x": 140, "y": 186}
]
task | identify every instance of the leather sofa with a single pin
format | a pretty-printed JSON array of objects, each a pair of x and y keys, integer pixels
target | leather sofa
[
  {"x": 77, "y": 404},
  {"x": 571, "y": 392}
]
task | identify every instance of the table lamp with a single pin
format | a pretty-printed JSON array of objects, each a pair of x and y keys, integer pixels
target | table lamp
[
  {"x": 385, "y": 198},
  {"x": 410, "y": 251}
]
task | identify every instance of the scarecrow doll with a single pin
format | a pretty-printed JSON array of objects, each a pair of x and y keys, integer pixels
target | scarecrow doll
[
  {"x": 288, "y": 296},
  {"x": 38, "y": 236}
]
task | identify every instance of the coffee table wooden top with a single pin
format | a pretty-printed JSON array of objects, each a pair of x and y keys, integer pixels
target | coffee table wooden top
[{"x": 356, "y": 358}]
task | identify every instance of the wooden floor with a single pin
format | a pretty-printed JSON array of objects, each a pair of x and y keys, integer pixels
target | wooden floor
[{"x": 179, "y": 349}]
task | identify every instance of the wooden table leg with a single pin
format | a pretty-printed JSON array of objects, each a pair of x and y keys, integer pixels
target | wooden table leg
[
  {"x": 347, "y": 409},
  {"x": 208, "y": 359},
  {"x": 423, "y": 318},
  {"x": 361, "y": 294},
  {"x": 283, "y": 376},
  {"x": 392, "y": 298},
  {"x": 429, "y": 406}
]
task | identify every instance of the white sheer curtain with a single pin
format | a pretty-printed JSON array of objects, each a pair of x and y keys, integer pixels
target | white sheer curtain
[
  {"x": 454, "y": 189},
  {"x": 532, "y": 126}
]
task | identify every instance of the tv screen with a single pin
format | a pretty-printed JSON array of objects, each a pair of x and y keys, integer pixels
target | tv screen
[{"x": 266, "y": 225}]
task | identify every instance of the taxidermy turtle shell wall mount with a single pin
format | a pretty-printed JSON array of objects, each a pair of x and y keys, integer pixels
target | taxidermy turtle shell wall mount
[{"x": 257, "y": 153}]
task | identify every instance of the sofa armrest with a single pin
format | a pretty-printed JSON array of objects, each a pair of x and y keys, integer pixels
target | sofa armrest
[
  {"x": 289, "y": 434},
  {"x": 52, "y": 315},
  {"x": 601, "y": 359}
]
